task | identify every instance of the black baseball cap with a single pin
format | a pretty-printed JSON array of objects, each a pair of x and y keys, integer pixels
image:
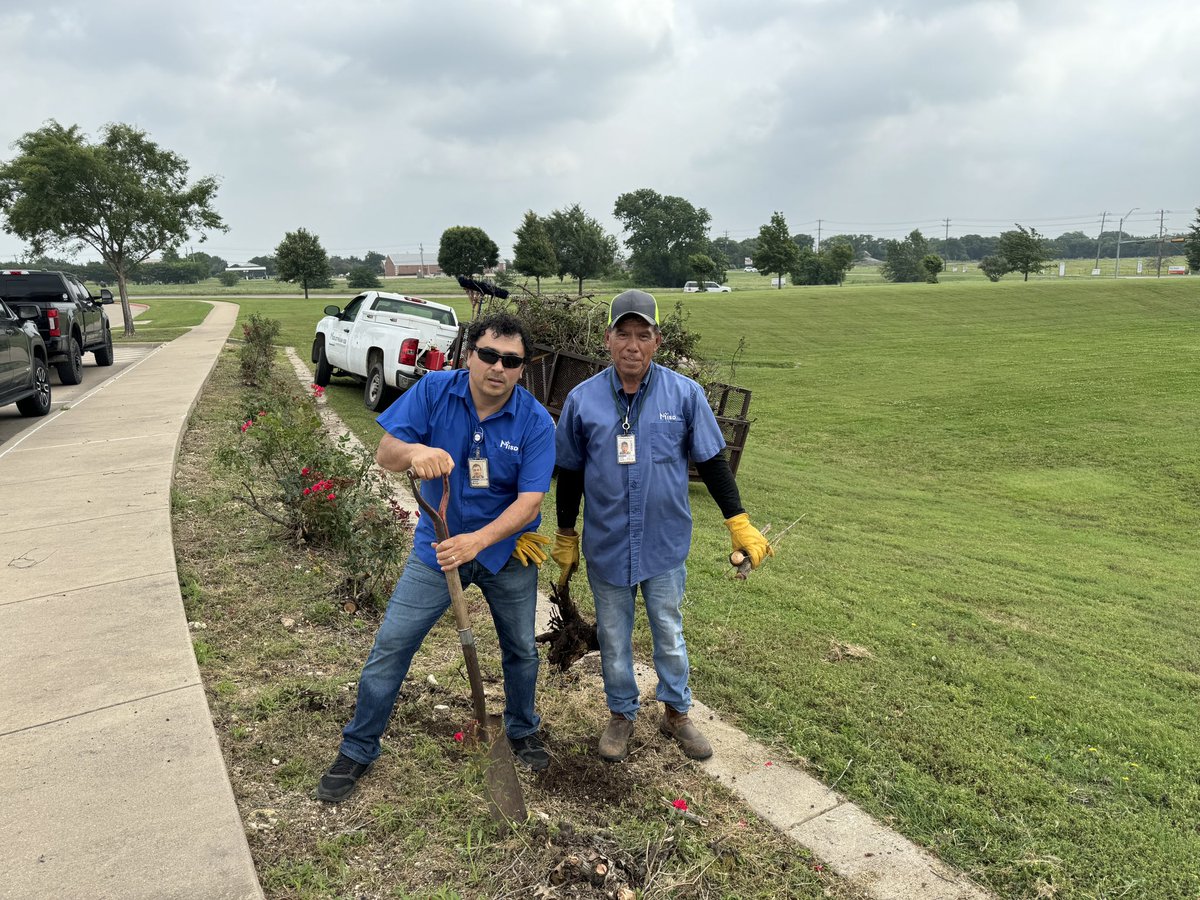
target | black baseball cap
[{"x": 633, "y": 303}]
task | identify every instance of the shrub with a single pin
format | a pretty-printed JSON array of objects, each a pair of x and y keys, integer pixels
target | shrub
[
  {"x": 319, "y": 492},
  {"x": 362, "y": 278},
  {"x": 258, "y": 352},
  {"x": 230, "y": 279}
]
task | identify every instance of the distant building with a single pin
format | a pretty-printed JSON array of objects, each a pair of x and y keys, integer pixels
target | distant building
[
  {"x": 409, "y": 265},
  {"x": 249, "y": 272}
]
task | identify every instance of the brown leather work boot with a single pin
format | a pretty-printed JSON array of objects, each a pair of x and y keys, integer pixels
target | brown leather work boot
[
  {"x": 677, "y": 725},
  {"x": 614, "y": 743}
]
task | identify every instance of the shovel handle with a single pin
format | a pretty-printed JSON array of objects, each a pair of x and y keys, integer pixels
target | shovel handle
[{"x": 458, "y": 602}]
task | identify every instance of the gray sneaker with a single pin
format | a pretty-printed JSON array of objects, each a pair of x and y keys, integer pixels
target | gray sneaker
[
  {"x": 339, "y": 782},
  {"x": 614, "y": 743}
]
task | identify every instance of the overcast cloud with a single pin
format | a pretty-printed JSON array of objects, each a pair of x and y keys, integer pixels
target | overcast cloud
[{"x": 377, "y": 125}]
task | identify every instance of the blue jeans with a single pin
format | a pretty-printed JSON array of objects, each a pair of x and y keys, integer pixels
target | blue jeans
[
  {"x": 663, "y": 596},
  {"x": 419, "y": 600}
]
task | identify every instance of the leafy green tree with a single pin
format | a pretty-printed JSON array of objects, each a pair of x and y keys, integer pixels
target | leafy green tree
[
  {"x": 363, "y": 278},
  {"x": 703, "y": 268},
  {"x": 1191, "y": 247},
  {"x": 994, "y": 267},
  {"x": 374, "y": 261},
  {"x": 1024, "y": 249},
  {"x": 582, "y": 247},
  {"x": 903, "y": 263},
  {"x": 804, "y": 241},
  {"x": 125, "y": 197},
  {"x": 533, "y": 253},
  {"x": 776, "y": 253},
  {"x": 466, "y": 250},
  {"x": 663, "y": 231},
  {"x": 827, "y": 267},
  {"x": 932, "y": 264},
  {"x": 976, "y": 246},
  {"x": 300, "y": 257}
]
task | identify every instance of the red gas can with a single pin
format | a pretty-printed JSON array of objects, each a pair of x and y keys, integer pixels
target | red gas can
[{"x": 435, "y": 359}]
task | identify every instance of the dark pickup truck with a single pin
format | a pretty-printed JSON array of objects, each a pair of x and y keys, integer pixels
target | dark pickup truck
[{"x": 72, "y": 322}]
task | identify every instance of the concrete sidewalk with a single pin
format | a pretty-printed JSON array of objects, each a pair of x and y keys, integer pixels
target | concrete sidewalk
[{"x": 113, "y": 780}]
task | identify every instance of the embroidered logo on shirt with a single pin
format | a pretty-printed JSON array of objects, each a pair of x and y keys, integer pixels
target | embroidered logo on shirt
[
  {"x": 507, "y": 445},
  {"x": 668, "y": 417}
]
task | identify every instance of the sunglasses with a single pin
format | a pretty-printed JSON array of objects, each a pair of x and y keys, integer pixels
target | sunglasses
[{"x": 491, "y": 357}]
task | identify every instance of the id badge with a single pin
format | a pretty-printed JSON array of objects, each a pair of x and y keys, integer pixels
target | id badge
[
  {"x": 626, "y": 449},
  {"x": 478, "y": 472}
]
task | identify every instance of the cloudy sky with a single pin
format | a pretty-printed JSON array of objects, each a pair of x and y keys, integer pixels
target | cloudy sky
[{"x": 377, "y": 125}]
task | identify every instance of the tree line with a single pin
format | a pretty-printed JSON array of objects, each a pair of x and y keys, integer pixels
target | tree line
[{"x": 129, "y": 199}]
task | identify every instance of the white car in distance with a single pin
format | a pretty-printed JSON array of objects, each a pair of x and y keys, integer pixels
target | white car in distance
[{"x": 693, "y": 287}]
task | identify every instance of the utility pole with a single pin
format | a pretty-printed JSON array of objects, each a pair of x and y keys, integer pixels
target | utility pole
[
  {"x": 423, "y": 272},
  {"x": 1120, "y": 234},
  {"x": 1158, "y": 265},
  {"x": 1096, "y": 270},
  {"x": 947, "y": 221},
  {"x": 818, "y": 235}
]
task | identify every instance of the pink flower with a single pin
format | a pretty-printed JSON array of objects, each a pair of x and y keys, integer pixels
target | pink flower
[
  {"x": 458, "y": 736},
  {"x": 768, "y": 763},
  {"x": 304, "y": 471},
  {"x": 246, "y": 425},
  {"x": 331, "y": 496},
  {"x": 680, "y": 804},
  {"x": 307, "y": 491}
]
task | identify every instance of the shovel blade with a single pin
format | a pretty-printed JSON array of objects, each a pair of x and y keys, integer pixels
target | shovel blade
[{"x": 505, "y": 798}]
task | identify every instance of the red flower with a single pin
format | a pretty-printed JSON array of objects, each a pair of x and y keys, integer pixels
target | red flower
[
  {"x": 458, "y": 736},
  {"x": 307, "y": 491},
  {"x": 680, "y": 804},
  {"x": 768, "y": 763},
  {"x": 331, "y": 496},
  {"x": 246, "y": 425},
  {"x": 304, "y": 471}
]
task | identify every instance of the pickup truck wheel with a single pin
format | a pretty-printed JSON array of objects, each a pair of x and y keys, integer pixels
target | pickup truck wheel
[
  {"x": 324, "y": 369},
  {"x": 104, "y": 356},
  {"x": 376, "y": 393},
  {"x": 39, "y": 403},
  {"x": 71, "y": 372}
]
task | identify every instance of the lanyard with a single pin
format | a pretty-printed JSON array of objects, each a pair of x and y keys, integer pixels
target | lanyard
[{"x": 639, "y": 400}]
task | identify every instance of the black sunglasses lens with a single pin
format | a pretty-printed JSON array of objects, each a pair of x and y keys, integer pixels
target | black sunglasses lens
[{"x": 490, "y": 357}]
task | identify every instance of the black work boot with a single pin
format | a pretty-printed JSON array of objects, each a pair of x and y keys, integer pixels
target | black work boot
[
  {"x": 614, "y": 743},
  {"x": 678, "y": 726},
  {"x": 530, "y": 751},
  {"x": 339, "y": 782}
]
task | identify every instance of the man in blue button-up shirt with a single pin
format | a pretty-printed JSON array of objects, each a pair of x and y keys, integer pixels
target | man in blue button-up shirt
[
  {"x": 496, "y": 442},
  {"x": 623, "y": 443}
]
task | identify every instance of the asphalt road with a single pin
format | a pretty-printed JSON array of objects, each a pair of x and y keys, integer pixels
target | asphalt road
[{"x": 12, "y": 423}]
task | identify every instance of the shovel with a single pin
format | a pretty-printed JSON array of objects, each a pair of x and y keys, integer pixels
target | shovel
[{"x": 505, "y": 799}]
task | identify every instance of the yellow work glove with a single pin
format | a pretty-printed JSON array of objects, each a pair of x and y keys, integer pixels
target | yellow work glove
[
  {"x": 748, "y": 539},
  {"x": 529, "y": 548},
  {"x": 565, "y": 552}
]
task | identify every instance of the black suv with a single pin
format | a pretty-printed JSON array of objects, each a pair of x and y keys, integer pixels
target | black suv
[
  {"x": 71, "y": 320},
  {"x": 24, "y": 376}
]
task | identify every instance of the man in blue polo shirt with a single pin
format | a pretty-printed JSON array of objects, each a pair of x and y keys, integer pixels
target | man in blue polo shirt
[
  {"x": 496, "y": 442},
  {"x": 624, "y": 440}
]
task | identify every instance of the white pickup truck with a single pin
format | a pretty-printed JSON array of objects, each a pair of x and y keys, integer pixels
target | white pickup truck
[{"x": 387, "y": 341}]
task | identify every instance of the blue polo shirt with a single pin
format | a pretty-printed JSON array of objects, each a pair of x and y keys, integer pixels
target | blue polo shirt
[
  {"x": 637, "y": 521},
  {"x": 518, "y": 443}
]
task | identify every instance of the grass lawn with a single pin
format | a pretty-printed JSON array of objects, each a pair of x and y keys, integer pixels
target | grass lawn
[{"x": 1000, "y": 496}]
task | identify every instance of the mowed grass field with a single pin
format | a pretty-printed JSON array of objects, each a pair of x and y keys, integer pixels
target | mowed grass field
[{"x": 984, "y": 628}]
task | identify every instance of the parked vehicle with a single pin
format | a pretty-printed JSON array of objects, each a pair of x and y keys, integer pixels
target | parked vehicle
[
  {"x": 749, "y": 269},
  {"x": 70, "y": 320},
  {"x": 387, "y": 341},
  {"x": 693, "y": 287},
  {"x": 24, "y": 372}
]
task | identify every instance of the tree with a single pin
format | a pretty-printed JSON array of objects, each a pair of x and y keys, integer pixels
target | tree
[
  {"x": 374, "y": 261},
  {"x": 1191, "y": 247},
  {"x": 827, "y": 267},
  {"x": 663, "y": 231},
  {"x": 903, "y": 263},
  {"x": 776, "y": 252},
  {"x": 466, "y": 250},
  {"x": 300, "y": 257},
  {"x": 932, "y": 264},
  {"x": 267, "y": 262},
  {"x": 703, "y": 267},
  {"x": 582, "y": 247},
  {"x": 125, "y": 197},
  {"x": 533, "y": 253},
  {"x": 994, "y": 267},
  {"x": 363, "y": 278},
  {"x": 1024, "y": 249}
]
